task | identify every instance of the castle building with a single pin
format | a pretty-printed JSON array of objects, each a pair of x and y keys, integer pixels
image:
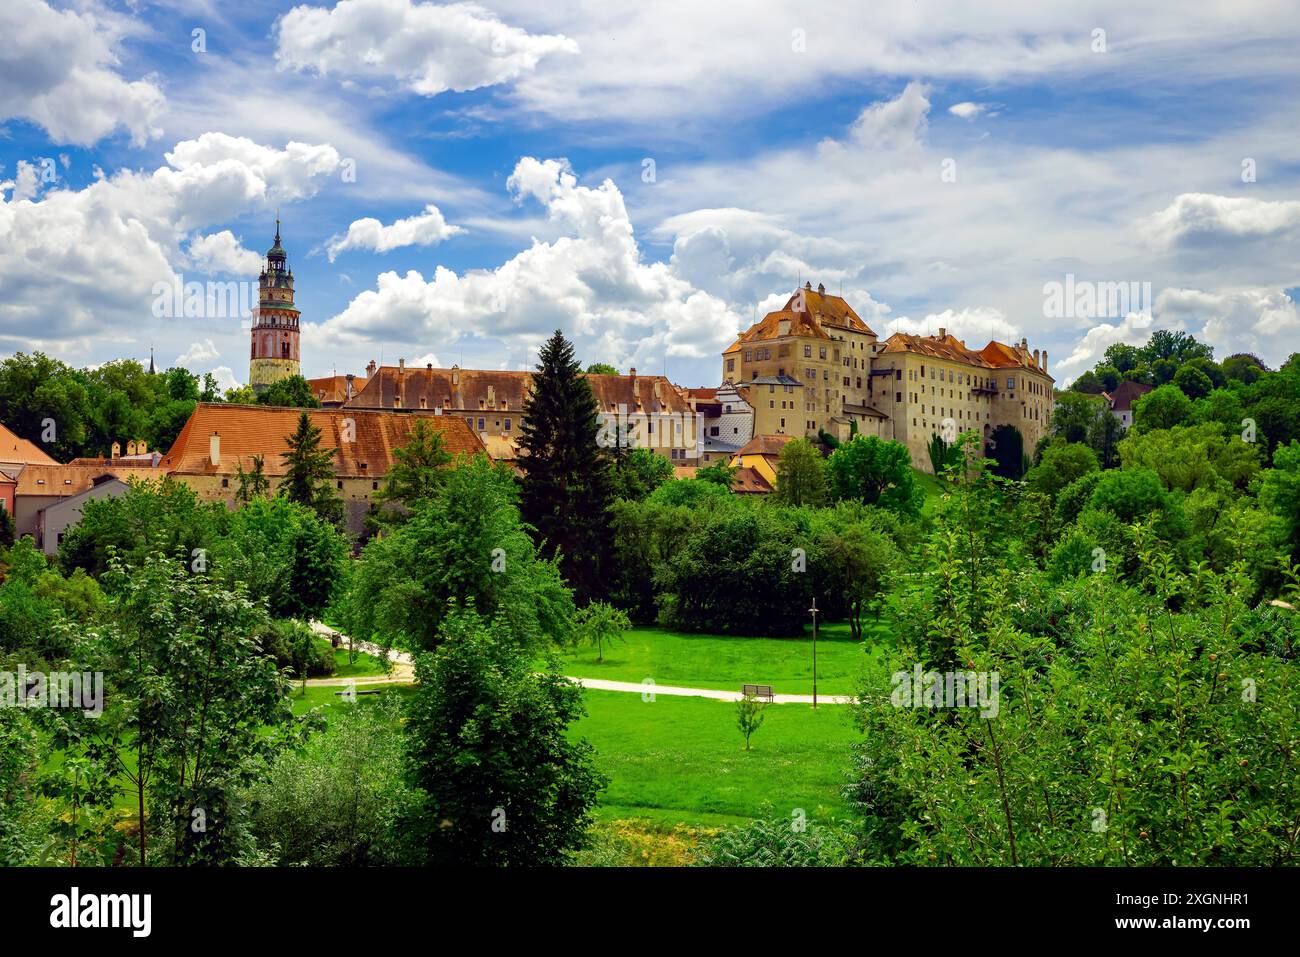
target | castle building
[
  {"x": 814, "y": 366},
  {"x": 807, "y": 367},
  {"x": 274, "y": 350},
  {"x": 650, "y": 411}
]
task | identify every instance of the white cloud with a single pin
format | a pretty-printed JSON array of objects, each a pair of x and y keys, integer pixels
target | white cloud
[
  {"x": 428, "y": 359},
  {"x": 1263, "y": 321},
  {"x": 1134, "y": 330},
  {"x": 426, "y": 229},
  {"x": 222, "y": 253},
  {"x": 83, "y": 263},
  {"x": 225, "y": 377},
  {"x": 691, "y": 60},
  {"x": 974, "y": 326},
  {"x": 590, "y": 281},
  {"x": 894, "y": 124},
  {"x": 428, "y": 48},
  {"x": 744, "y": 256},
  {"x": 58, "y": 72},
  {"x": 1193, "y": 216},
  {"x": 968, "y": 110},
  {"x": 25, "y": 184},
  {"x": 198, "y": 353}
]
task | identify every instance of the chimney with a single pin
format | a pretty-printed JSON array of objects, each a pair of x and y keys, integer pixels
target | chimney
[
  {"x": 115, "y": 451},
  {"x": 1024, "y": 344},
  {"x": 1044, "y": 363},
  {"x": 348, "y": 389},
  {"x": 214, "y": 449},
  {"x": 141, "y": 448},
  {"x": 428, "y": 366},
  {"x": 401, "y": 383},
  {"x": 943, "y": 332},
  {"x": 370, "y": 369},
  {"x": 1037, "y": 364},
  {"x": 821, "y": 289}
]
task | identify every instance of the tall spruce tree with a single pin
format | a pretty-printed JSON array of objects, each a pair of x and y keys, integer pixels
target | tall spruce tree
[
  {"x": 568, "y": 484},
  {"x": 310, "y": 471}
]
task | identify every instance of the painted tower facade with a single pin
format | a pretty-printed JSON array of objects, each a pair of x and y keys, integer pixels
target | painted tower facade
[{"x": 274, "y": 354}]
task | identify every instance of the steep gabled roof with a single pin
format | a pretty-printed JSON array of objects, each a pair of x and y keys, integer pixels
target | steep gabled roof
[
  {"x": 1125, "y": 394},
  {"x": 20, "y": 451},
  {"x": 248, "y": 430},
  {"x": 748, "y": 481},
  {"x": 827, "y": 309},
  {"x": 765, "y": 445},
  {"x": 940, "y": 347}
]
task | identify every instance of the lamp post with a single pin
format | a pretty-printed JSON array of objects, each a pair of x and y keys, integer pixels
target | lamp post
[{"x": 813, "y": 611}]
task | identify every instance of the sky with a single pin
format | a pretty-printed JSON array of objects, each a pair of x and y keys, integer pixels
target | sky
[{"x": 457, "y": 181}]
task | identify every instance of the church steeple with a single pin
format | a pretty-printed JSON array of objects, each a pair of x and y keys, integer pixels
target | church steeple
[{"x": 151, "y": 368}]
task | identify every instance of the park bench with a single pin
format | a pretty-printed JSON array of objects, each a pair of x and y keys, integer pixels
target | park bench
[
  {"x": 357, "y": 691},
  {"x": 758, "y": 691}
]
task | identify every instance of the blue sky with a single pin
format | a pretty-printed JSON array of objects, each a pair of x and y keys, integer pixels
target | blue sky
[{"x": 938, "y": 162}]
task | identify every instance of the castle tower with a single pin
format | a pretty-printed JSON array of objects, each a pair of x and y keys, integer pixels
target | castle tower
[{"x": 274, "y": 354}]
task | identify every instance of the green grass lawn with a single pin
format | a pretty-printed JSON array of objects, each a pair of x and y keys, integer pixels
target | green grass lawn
[
  {"x": 931, "y": 487},
  {"x": 727, "y": 662},
  {"x": 682, "y": 760},
  {"x": 365, "y": 666}
]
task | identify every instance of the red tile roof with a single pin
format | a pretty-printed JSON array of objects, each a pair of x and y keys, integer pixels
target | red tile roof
[
  {"x": 747, "y": 481},
  {"x": 334, "y": 388},
  {"x": 765, "y": 445},
  {"x": 1125, "y": 394},
  {"x": 806, "y": 313},
  {"x": 17, "y": 450},
  {"x": 63, "y": 480},
  {"x": 248, "y": 430},
  {"x": 484, "y": 390}
]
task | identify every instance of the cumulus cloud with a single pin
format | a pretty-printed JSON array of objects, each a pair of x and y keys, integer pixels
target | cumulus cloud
[
  {"x": 222, "y": 253},
  {"x": 1134, "y": 329},
  {"x": 198, "y": 353},
  {"x": 742, "y": 256},
  {"x": 25, "y": 184},
  {"x": 894, "y": 124},
  {"x": 79, "y": 263},
  {"x": 426, "y": 229},
  {"x": 59, "y": 72},
  {"x": 590, "y": 281},
  {"x": 428, "y": 48},
  {"x": 1263, "y": 321},
  {"x": 973, "y": 326},
  {"x": 225, "y": 377},
  {"x": 1193, "y": 216}
]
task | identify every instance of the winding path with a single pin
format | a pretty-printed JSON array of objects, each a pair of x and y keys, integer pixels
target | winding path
[{"x": 404, "y": 673}]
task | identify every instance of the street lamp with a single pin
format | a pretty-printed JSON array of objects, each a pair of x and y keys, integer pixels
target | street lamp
[{"x": 813, "y": 611}]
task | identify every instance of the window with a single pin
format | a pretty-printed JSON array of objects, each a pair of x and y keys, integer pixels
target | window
[
  {"x": 731, "y": 365},
  {"x": 898, "y": 375},
  {"x": 225, "y": 483},
  {"x": 807, "y": 352},
  {"x": 480, "y": 425},
  {"x": 340, "y": 483},
  {"x": 898, "y": 397},
  {"x": 374, "y": 486},
  {"x": 1011, "y": 383},
  {"x": 713, "y": 430},
  {"x": 507, "y": 426},
  {"x": 749, "y": 355},
  {"x": 821, "y": 353}
]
